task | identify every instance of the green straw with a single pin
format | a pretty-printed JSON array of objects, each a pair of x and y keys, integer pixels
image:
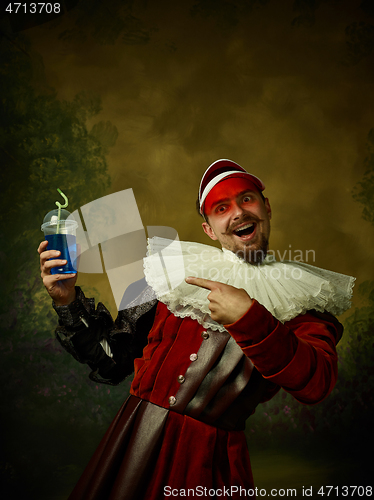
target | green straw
[{"x": 59, "y": 208}]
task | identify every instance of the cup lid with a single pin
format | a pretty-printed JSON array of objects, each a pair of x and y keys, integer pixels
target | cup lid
[{"x": 52, "y": 219}]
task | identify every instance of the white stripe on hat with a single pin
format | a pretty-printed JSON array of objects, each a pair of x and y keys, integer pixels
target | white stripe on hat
[
  {"x": 232, "y": 170},
  {"x": 215, "y": 181}
]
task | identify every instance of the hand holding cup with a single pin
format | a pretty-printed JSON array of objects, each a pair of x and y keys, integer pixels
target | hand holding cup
[{"x": 61, "y": 287}]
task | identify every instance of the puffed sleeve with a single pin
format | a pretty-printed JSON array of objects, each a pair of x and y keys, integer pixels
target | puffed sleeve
[
  {"x": 108, "y": 347},
  {"x": 299, "y": 355}
]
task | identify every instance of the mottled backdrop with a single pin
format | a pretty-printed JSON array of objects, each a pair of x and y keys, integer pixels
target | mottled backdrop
[{"x": 285, "y": 88}]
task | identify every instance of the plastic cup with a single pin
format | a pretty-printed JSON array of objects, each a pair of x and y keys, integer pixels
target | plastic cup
[{"x": 60, "y": 232}]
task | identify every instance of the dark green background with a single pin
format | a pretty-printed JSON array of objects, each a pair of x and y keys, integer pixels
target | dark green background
[{"x": 145, "y": 95}]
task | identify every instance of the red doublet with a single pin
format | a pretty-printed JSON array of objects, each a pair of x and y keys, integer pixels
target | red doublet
[{"x": 182, "y": 439}]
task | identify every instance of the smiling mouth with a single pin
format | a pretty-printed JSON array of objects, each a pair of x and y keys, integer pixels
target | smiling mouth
[{"x": 245, "y": 230}]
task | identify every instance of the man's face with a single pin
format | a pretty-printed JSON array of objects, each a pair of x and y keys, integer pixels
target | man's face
[{"x": 238, "y": 218}]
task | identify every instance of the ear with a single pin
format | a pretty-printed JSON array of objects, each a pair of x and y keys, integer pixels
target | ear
[
  {"x": 268, "y": 207},
  {"x": 209, "y": 231}
]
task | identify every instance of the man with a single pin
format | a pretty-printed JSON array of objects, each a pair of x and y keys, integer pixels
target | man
[{"x": 205, "y": 353}]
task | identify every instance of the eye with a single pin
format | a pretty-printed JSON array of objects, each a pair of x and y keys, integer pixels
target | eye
[
  {"x": 247, "y": 199},
  {"x": 221, "y": 209}
]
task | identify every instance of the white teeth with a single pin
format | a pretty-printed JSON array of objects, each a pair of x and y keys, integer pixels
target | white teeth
[{"x": 244, "y": 227}]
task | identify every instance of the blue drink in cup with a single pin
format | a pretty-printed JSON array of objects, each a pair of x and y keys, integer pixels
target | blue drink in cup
[{"x": 59, "y": 229}]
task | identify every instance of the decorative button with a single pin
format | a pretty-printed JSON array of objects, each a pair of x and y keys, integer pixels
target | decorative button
[
  {"x": 181, "y": 379},
  {"x": 193, "y": 357},
  {"x": 205, "y": 335},
  {"x": 172, "y": 400}
]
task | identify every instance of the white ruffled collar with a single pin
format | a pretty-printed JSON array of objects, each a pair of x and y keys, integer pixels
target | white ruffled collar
[{"x": 285, "y": 288}]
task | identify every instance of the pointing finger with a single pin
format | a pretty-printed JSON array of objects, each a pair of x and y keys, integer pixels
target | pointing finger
[{"x": 202, "y": 282}]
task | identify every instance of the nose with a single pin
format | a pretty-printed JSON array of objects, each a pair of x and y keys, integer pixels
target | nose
[{"x": 237, "y": 211}]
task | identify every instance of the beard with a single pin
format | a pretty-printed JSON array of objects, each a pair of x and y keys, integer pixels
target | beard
[{"x": 255, "y": 253}]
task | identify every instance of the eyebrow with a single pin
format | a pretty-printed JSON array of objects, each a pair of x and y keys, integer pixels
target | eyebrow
[{"x": 222, "y": 200}]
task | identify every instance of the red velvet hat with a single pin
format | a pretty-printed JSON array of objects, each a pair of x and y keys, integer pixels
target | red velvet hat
[{"x": 220, "y": 170}]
